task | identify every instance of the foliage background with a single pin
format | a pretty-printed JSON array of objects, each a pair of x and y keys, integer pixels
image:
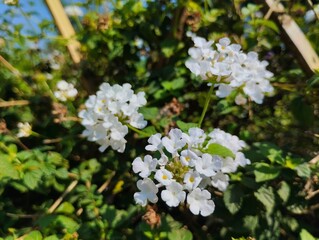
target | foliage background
[{"x": 144, "y": 43}]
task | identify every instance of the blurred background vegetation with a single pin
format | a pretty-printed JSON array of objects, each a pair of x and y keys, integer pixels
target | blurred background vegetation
[{"x": 57, "y": 185}]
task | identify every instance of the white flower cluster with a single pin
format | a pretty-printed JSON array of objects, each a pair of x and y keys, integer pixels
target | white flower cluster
[
  {"x": 230, "y": 69},
  {"x": 108, "y": 112},
  {"x": 184, "y": 166},
  {"x": 66, "y": 91}
]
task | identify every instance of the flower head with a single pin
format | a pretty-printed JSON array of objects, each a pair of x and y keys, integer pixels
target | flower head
[
  {"x": 108, "y": 112},
  {"x": 186, "y": 168},
  {"x": 226, "y": 66},
  {"x": 65, "y": 91}
]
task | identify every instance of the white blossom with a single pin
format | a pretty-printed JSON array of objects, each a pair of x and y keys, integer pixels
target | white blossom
[
  {"x": 66, "y": 91},
  {"x": 148, "y": 191},
  {"x": 173, "y": 195},
  {"x": 174, "y": 142},
  {"x": 146, "y": 167},
  {"x": 229, "y": 69},
  {"x": 107, "y": 114},
  {"x": 25, "y": 129},
  {"x": 220, "y": 181},
  {"x": 200, "y": 203},
  {"x": 186, "y": 169},
  {"x": 204, "y": 165},
  {"x": 164, "y": 176}
]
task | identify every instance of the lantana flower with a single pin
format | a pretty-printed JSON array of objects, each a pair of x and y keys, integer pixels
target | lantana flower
[
  {"x": 187, "y": 166},
  {"x": 65, "y": 91},
  {"x": 229, "y": 69},
  {"x": 108, "y": 112}
]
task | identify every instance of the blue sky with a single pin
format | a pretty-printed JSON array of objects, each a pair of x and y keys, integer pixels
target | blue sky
[{"x": 39, "y": 7}]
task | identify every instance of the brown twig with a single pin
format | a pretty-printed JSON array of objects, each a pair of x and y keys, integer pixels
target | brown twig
[
  {"x": 106, "y": 183},
  {"x": 60, "y": 199},
  {"x": 10, "y": 67},
  {"x": 312, "y": 194},
  {"x": 22, "y": 215},
  {"x": 14, "y": 103},
  {"x": 314, "y": 160}
]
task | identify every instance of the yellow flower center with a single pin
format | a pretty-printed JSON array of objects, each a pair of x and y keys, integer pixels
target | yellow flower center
[{"x": 191, "y": 179}]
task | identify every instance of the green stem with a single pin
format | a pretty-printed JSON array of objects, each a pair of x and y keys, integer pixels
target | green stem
[
  {"x": 209, "y": 95},
  {"x": 137, "y": 130}
]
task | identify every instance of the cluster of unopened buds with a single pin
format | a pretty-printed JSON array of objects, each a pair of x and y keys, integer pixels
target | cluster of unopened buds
[
  {"x": 229, "y": 69},
  {"x": 108, "y": 114},
  {"x": 185, "y": 165}
]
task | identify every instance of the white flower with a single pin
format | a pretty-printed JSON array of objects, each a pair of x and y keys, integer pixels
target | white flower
[
  {"x": 204, "y": 165},
  {"x": 195, "y": 137},
  {"x": 164, "y": 176},
  {"x": 25, "y": 130},
  {"x": 192, "y": 180},
  {"x": 200, "y": 203},
  {"x": 108, "y": 112},
  {"x": 186, "y": 167},
  {"x": 146, "y": 167},
  {"x": 148, "y": 192},
  {"x": 65, "y": 91},
  {"x": 230, "y": 68},
  {"x": 241, "y": 160},
  {"x": 188, "y": 158},
  {"x": 155, "y": 143},
  {"x": 220, "y": 181},
  {"x": 173, "y": 195},
  {"x": 73, "y": 11},
  {"x": 174, "y": 142},
  {"x": 227, "y": 140}
]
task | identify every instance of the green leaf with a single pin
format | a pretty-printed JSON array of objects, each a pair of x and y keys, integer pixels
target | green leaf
[
  {"x": 185, "y": 126},
  {"x": 66, "y": 208},
  {"x": 7, "y": 169},
  {"x": 267, "y": 23},
  {"x": 305, "y": 235},
  {"x": 264, "y": 172},
  {"x": 34, "y": 235},
  {"x": 180, "y": 234},
  {"x": 284, "y": 191},
  {"x": 61, "y": 173},
  {"x": 233, "y": 198},
  {"x": 217, "y": 149},
  {"x": 68, "y": 223},
  {"x": 52, "y": 237},
  {"x": 303, "y": 170},
  {"x": 32, "y": 178},
  {"x": 251, "y": 222},
  {"x": 267, "y": 197},
  {"x": 168, "y": 47},
  {"x": 175, "y": 84},
  {"x": 149, "y": 113}
]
